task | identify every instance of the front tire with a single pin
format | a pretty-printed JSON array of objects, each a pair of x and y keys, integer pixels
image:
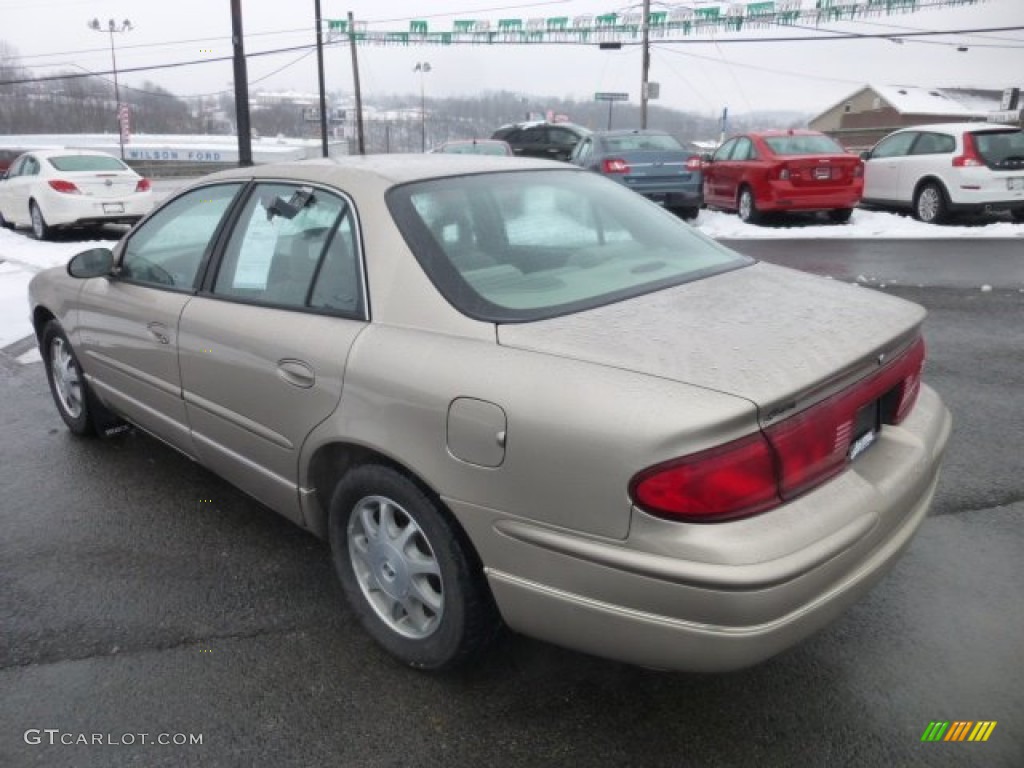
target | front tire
[
  {"x": 840, "y": 215},
  {"x": 407, "y": 570},
  {"x": 746, "y": 207},
  {"x": 67, "y": 384},
  {"x": 930, "y": 204},
  {"x": 40, "y": 229}
]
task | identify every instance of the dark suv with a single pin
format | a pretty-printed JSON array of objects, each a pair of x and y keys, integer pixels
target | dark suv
[{"x": 554, "y": 141}]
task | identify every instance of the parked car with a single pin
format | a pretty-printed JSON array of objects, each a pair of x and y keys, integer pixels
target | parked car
[
  {"x": 474, "y": 147},
  {"x": 650, "y": 162},
  {"x": 939, "y": 170},
  {"x": 58, "y": 188},
  {"x": 511, "y": 390},
  {"x": 553, "y": 141},
  {"x": 783, "y": 171}
]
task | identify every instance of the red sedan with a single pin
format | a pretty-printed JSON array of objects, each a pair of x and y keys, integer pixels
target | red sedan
[{"x": 783, "y": 171}]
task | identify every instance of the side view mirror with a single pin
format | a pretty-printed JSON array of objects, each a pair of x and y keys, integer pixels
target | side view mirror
[
  {"x": 96, "y": 262},
  {"x": 865, "y": 155},
  {"x": 707, "y": 157}
]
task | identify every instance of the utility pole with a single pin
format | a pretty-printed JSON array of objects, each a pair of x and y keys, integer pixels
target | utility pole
[
  {"x": 645, "y": 63},
  {"x": 355, "y": 79},
  {"x": 112, "y": 27},
  {"x": 241, "y": 87},
  {"x": 423, "y": 67},
  {"x": 320, "y": 72}
]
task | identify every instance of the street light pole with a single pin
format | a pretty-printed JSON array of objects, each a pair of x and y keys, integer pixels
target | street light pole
[
  {"x": 112, "y": 27},
  {"x": 422, "y": 67}
]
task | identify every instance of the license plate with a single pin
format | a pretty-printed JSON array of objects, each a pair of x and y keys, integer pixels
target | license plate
[
  {"x": 1015, "y": 183},
  {"x": 865, "y": 429},
  {"x": 113, "y": 207},
  {"x": 823, "y": 173}
]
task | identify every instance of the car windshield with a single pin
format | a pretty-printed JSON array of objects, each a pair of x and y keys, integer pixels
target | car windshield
[
  {"x": 68, "y": 163},
  {"x": 803, "y": 145},
  {"x": 474, "y": 148},
  {"x": 520, "y": 246},
  {"x": 996, "y": 147},
  {"x": 641, "y": 142}
]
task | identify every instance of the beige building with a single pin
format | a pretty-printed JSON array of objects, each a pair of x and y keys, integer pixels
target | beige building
[{"x": 864, "y": 117}]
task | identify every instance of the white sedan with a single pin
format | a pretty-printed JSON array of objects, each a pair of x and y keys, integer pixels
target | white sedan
[{"x": 54, "y": 188}]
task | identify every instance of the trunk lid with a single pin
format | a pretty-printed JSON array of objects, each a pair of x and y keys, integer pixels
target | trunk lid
[
  {"x": 779, "y": 338},
  {"x": 822, "y": 170},
  {"x": 102, "y": 184}
]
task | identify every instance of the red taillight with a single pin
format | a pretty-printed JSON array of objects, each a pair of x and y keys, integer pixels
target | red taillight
[
  {"x": 970, "y": 158},
  {"x": 143, "y": 185},
  {"x": 64, "y": 186},
  {"x": 760, "y": 471},
  {"x": 694, "y": 163},
  {"x": 615, "y": 165},
  {"x": 731, "y": 480}
]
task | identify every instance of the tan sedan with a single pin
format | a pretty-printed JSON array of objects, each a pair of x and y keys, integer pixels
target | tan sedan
[{"x": 512, "y": 391}]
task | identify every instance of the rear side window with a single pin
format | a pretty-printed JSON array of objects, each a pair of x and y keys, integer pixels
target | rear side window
[
  {"x": 803, "y": 145},
  {"x": 70, "y": 163},
  {"x": 933, "y": 144}
]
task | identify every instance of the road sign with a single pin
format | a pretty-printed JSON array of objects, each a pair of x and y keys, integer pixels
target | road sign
[{"x": 611, "y": 97}]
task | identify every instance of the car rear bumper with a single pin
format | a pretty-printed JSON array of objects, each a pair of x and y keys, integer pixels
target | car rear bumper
[
  {"x": 784, "y": 196},
  {"x": 671, "y": 195},
  {"x": 723, "y": 596},
  {"x": 62, "y": 210}
]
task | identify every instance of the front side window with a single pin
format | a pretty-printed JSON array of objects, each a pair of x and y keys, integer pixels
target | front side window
[
  {"x": 293, "y": 247},
  {"x": 522, "y": 246},
  {"x": 168, "y": 248},
  {"x": 724, "y": 151},
  {"x": 744, "y": 150},
  {"x": 896, "y": 145}
]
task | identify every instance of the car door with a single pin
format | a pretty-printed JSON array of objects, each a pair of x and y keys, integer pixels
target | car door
[
  {"x": 713, "y": 172},
  {"x": 128, "y": 323},
  {"x": 929, "y": 155},
  {"x": 263, "y": 347},
  {"x": 883, "y": 166},
  {"x": 739, "y": 168}
]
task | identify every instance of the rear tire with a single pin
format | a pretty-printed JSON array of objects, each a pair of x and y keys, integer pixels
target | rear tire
[
  {"x": 40, "y": 229},
  {"x": 930, "y": 204},
  {"x": 410, "y": 575},
  {"x": 840, "y": 215},
  {"x": 1017, "y": 214},
  {"x": 746, "y": 207},
  {"x": 687, "y": 212}
]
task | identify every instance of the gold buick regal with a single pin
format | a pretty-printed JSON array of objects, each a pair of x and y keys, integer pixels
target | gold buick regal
[{"x": 513, "y": 392}]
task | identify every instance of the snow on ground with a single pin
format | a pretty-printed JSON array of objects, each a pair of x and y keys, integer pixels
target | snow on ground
[
  {"x": 863, "y": 224},
  {"x": 21, "y": 256}
]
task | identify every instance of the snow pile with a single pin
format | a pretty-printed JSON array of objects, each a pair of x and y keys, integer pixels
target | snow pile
[{"x": 863, "y": 224}]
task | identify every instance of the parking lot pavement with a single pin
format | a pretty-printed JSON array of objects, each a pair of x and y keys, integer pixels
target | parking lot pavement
[{"x": 141, "y": 594}]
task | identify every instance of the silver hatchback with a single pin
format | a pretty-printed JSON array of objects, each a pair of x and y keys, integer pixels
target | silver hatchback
[{"x": 513, "y": 392}]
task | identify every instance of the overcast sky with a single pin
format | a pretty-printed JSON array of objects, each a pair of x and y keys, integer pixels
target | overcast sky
[{"x": 704, "y": 77}]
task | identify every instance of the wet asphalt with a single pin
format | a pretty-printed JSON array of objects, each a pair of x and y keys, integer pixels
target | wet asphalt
[{"x": 139, "y": 594}]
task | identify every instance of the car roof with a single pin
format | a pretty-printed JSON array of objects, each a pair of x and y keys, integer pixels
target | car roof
[
  {"x": 64, "y": 152},
  {"x": 631, "y": 132},
  {"x": 954, "y": 127},
  {"x": 770, "y": 133},
  {"x": 390, "y": 170}
]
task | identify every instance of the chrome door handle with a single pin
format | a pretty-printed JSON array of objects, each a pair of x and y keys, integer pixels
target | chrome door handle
[{"x": 296, "y": 373}]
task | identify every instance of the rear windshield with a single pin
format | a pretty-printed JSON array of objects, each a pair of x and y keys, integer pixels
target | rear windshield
[
  {"x": 70, "y": 163},
  {"x": 1000, "y": 148},
  {"x": 803, "y": 145},
  {"x": 641, "y": 143},
  {"x": 520, "y": 246}
]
